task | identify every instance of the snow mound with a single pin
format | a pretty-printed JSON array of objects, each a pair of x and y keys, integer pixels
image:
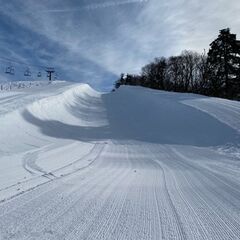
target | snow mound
[
  {"x": 77, "y": 112},
  {"x": 78, "y": 105}
]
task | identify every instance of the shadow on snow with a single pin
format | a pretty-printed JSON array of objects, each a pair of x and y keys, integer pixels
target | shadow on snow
[{"x": 155, "y": 117}]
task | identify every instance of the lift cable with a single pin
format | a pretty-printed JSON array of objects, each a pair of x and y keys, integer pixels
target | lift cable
[{"x": 21, "y": 63}]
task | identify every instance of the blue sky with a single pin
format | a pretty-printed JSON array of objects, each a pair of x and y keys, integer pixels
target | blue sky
[{"x": 95, "y": 40}]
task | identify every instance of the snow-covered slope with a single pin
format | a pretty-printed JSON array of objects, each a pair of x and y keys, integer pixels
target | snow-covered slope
[{"x": 132, "y": 164}]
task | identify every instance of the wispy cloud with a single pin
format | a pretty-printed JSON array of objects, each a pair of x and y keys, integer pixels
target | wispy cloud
[
  {"x": 113, "y": 4},
  {"x": 93, "y": 6}
]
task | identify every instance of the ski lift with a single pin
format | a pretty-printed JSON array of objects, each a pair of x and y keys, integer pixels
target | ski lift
[
  {"x": 27, "y": 73},
  {"x": 10, "y": 70},
  {"x": 39, "y": 74}
]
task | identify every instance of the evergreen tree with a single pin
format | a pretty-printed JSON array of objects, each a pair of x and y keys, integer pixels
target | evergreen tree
[
  {"x": 120, "y": 81},
  {"x": 224, "y": 65}
]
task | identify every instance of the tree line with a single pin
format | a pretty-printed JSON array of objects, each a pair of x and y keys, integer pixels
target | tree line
[{"x": 214, "y": 74}]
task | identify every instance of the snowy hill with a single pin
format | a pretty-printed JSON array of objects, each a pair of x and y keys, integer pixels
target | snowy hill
[
  {"x": 131, "y": 164},
  {"x": 16, "y": 85}
]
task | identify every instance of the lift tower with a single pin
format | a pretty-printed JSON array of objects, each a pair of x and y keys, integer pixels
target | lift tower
[{"x": 50, "y": 71}]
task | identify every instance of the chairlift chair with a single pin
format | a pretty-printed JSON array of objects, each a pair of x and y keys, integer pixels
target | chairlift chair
[
  {"x": 10, "y": 70},
  {"x": 27, "y": 73},
  {"x": 39, "y": 74}
]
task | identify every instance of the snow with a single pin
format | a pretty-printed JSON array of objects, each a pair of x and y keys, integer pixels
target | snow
[{"x": 131, "y": 164}]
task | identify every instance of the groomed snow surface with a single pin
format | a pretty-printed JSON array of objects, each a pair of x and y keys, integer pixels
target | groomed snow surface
[{"x": 131, "y": 164}]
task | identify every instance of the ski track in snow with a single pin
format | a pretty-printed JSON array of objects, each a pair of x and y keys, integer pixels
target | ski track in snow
[{"x": 103, "y": 181}]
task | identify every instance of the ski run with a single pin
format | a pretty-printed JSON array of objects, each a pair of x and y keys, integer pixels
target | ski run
[{"x": 131, "y": 164}]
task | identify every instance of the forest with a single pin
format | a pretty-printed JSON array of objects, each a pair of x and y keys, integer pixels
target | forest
[{"x": 216, "y": 73}]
